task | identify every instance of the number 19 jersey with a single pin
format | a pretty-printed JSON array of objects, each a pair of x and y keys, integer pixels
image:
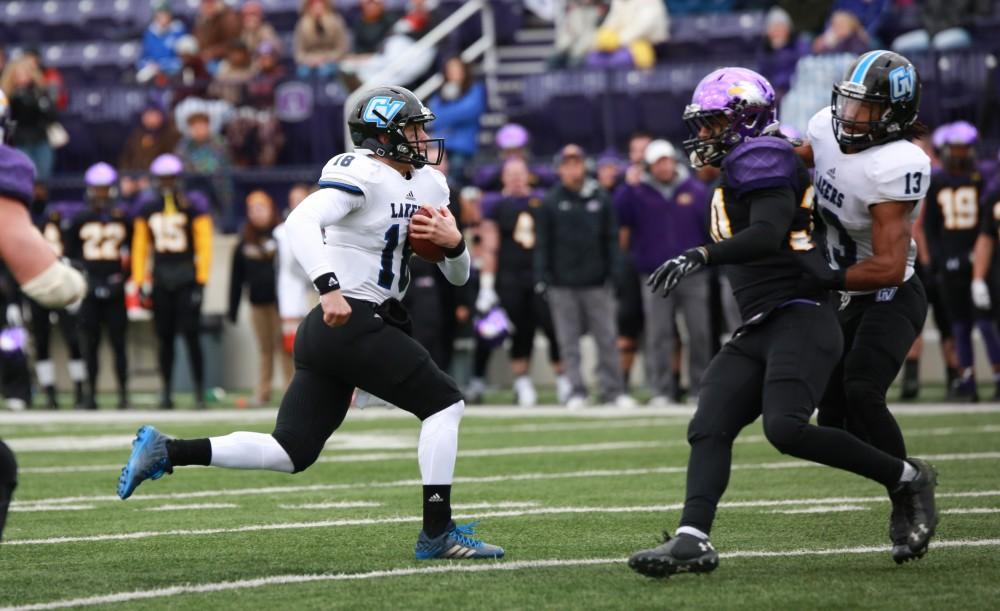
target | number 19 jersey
[
  {"x": 847, "y": 185},
  {"x": 369, "y": 245}
]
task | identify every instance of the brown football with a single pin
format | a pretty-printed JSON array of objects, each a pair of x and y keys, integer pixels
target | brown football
[{"x": 425, "y": 249}]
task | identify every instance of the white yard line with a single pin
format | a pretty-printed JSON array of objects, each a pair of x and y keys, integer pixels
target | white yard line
[
  {"x": 504, "y": 513},
  {"x": 477, "y": 567},
  {"x": 33, "y": 508},
  {"x": 971, "y": 510},
  {"x": 334, "y": 505},
  {"x": 829, "y": 509},
  {"x": 192, "y": 506},
  {"x": 487, "y": 479},
  {"x": 40, "y": 417}
]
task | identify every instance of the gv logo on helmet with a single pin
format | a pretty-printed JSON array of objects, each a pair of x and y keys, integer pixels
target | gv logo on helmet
[
  {"x": 384, "y": 106},
  {"x": 901, "y": 83}
]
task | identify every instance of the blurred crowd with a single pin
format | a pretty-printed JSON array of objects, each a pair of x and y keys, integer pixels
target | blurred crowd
[{"x": 561, "y": 245}]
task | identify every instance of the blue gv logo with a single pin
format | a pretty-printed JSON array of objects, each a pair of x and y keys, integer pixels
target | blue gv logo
[{"x": 385, "y": 106}]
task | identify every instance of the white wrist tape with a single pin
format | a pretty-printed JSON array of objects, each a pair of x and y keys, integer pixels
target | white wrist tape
[{"x": 57, "y": 287}]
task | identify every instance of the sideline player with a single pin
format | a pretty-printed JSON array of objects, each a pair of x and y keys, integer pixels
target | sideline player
[
  {"x": 357, "y": 336},
  {"x": 34, "y": 266},
  {"x": 952, "y": 224},
  {"x": 869, "y": 179},
  {"x": 98, "y": 237},
  {"x": 778, "y": 363}
]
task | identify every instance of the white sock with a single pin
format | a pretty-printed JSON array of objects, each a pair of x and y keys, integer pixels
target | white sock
[
  {"x": 77, "y": 371},
  {"x": 691, "y": 530},
  {"x": 438, "y": 445},
  {"x": 46, "y": 373},
  {"x": 243, "y": 450},
  {"x": 909, "y": 472}
]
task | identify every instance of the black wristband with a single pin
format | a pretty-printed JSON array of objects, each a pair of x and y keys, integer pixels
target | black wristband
[
  {"x": 451, "y": 253},
  {"x": 327, "y": 283}
]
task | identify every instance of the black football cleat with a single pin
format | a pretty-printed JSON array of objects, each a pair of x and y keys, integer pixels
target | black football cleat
[
  {"x": 680, "y": 554},
  {"x": 917, "y": 500},
  {"x": 899, "y": 531}
]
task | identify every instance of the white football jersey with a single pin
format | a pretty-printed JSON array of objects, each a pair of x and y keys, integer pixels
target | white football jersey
[
  {"x": 847, "y": 185},
  {"x": 369, "y": 244}
]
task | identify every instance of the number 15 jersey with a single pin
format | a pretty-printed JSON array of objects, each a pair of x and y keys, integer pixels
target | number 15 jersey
[{"x": 847, "y": 185}]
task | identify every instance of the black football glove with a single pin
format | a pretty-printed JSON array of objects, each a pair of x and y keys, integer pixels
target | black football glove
[{"x": 668, "y": 275}]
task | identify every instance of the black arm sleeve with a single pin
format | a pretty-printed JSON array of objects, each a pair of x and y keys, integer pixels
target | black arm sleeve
[{"x": 771, "y": 214}]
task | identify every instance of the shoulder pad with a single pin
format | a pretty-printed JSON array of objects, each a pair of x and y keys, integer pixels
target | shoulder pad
[
  {"x": 198, "y": 202},
  {"x": 761, "y": 163},
  {"x": 441, "y": 181},
  {"x": 820, "y": 125},
  {"x": 352, "y": 172},
  {"x": 900, "y": 171},
  {"x": 17, "y": 175}
]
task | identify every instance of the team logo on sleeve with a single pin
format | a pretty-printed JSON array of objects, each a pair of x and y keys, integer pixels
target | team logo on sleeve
[
  {"x": 384, "y": 106},
  {"x": 901, "y": 83}
]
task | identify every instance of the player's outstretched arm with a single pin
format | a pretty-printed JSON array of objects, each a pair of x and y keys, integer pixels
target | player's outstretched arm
[
  {"x": 890, "y": 248},
  {"x": 42, "y": 277}
]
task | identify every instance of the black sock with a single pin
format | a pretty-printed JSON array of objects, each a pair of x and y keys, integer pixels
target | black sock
[
  {"x": 437, "y": 509},
  {"x": 911, "y": 369},
  {"x": 183, "y": 452}
]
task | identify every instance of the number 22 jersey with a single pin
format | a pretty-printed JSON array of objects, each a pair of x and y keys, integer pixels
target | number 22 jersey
[{"x": 847, "y": 185}]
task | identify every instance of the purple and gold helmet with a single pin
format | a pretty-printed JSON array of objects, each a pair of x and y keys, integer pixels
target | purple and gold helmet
[
  {"x": 100, "y": 175},
  {"x": 734, "y": 105},
  {"x": 955, "y": 144}
]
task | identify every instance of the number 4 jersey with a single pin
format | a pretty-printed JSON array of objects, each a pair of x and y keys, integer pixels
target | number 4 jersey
[{"x": 847, "y": 185}]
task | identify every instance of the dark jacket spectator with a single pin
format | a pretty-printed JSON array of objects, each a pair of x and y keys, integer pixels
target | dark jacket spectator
[
  {"x": 192, "y": 79},
  {"x": 234, "y": 72},
  {"x": 577, "y": 234},
  {"x": 321, "y": 39},
  {"x": 216, "y": 27},
  {"x": 458, "y": 107},
  {"x": 154, "y": 136},
  {"x": 254, "y": 268},
  {"x": 373, "y": 27},
  {"x": 32, "y": 110}
]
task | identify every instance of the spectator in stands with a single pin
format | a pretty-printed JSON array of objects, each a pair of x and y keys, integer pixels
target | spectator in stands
[
  {"x": 419, "y": 16},
  {"x": 52, "y": 79},
  {"x": 233, "y": 74},
  {"x": 944, "y": 26},
  {"x": 628, "y": 286},
  {"x": 255, "y": 136},
  {"x": 372, "y": 28},
  {"x": 628, "y": 33},
  {"x": 575, "y": 259},
  {"x": 207, "y": 165},
  {"x": 576, "y": 32},
  {"x": 254, "y": 268},
  {"x": 512, "y": 140},
  {"x": 661, "y": 217},
  {"x": 609, "y": 171},
  {"x": 321, "y": 40},
  {"x": 154, "y": 136},
  {"x": 216, "y": 27},
  {"x": 193, "y": 78},
  {"x": 637, "y": 144},
  {"x": 159, "y": 44},
  {"x": 255, "y": 29},
  {"x": 845, "y": 34},
  {"x": 400, "y": 43},
  {"x": 33, "y": 111},
  {"x": 458, "y": 105},
  {"x": 780, "y": 51}
]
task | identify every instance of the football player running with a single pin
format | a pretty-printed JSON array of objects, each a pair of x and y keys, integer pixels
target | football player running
[
  {"x": 357, "y": 336},
  {"x": 869, "y": 179},
  {"x": 779, "y": 361},
  {"x": 40, "y": 274}
]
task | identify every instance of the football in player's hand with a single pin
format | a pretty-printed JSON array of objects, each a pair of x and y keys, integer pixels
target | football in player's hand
[{"x": 422, "y": 247}]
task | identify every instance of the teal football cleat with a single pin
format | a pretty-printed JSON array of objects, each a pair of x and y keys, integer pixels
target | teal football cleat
[
  {"x": 456, "y": 542},
  {"x": 148, "y": 461}
]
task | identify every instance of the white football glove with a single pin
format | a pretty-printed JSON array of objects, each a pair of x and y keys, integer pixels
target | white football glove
[
  {"x": 981, "y": 295},
  {"x": 57, "y": 287}
]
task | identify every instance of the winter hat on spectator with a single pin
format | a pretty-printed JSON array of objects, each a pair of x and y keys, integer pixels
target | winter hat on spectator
[
  {"x": 777, "y": 15},
  {"x": 512, "y": 136},
  {"x": 162, "y": 6},
  {"x": 610, "y": 158},
  {"x": 267, "y": 47},
  {"x": 571, "y": 151},
  {"x": 657, "y": 150}
]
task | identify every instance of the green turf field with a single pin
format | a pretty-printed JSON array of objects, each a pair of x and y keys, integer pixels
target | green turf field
[{"x": 568, "y": 495}]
